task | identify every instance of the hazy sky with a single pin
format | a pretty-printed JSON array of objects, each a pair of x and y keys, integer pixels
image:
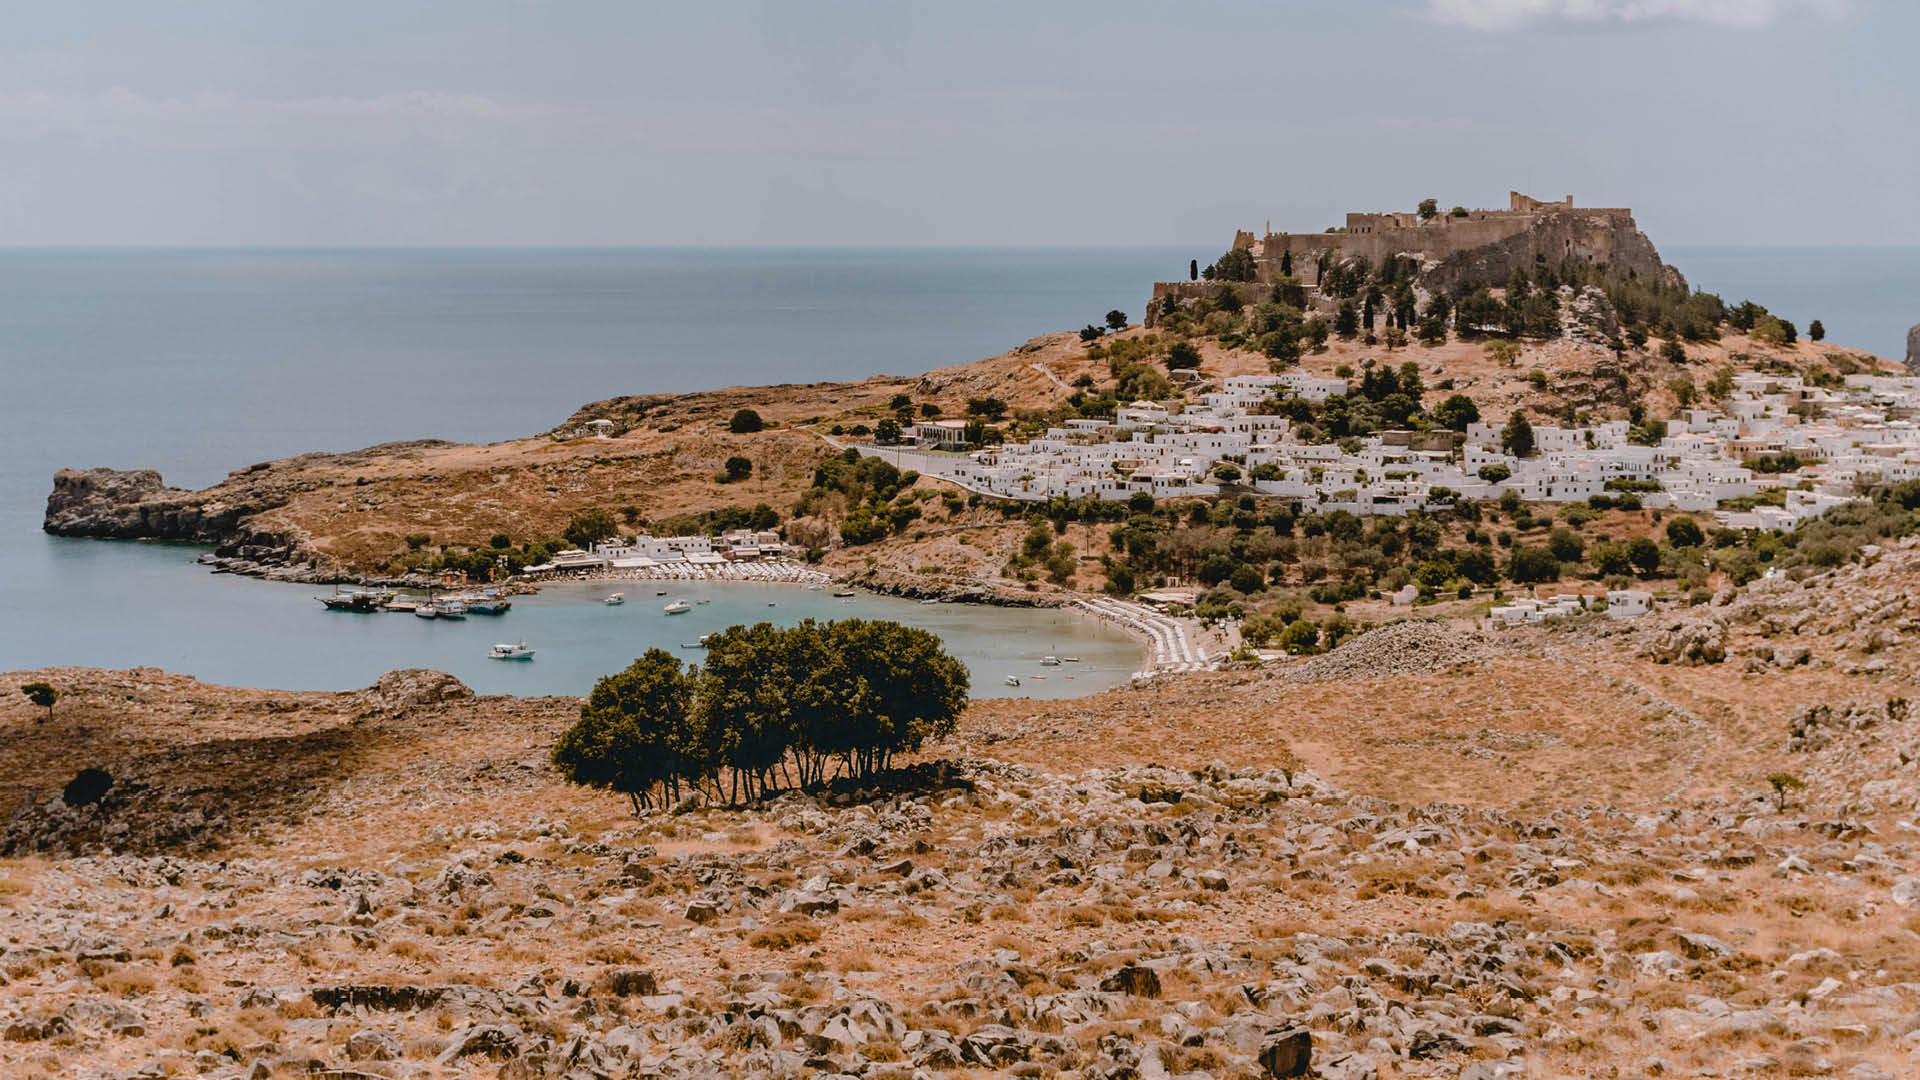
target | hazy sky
[{"x": 1104, "y": 121}]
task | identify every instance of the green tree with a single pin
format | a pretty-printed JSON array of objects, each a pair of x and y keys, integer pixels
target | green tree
[
  {"x": 745, "y": 422},
  {"x": 634, "y": 731},
  {"x": 1495, "y": 473},
  {"x": 1346, "y": 321},
  {"x": 990, "y": 407},
  {"x": 1182, "y": 355},
  {"x": 1531, "y": 565},
  {"x": 43, "y": 694},
  {"x": 1644, "y": 554},
  {"x": 1116, "y": 319},
  {"x": 1817, "y": 330},
  {"x": 739, "y": 468},
  {"x": 1782, "y": 783},
  {"x": 1300, "y": 636},
  {"x": 1246, "y": 579},
  {"x": 589, "y": 527},
  {"x": 1673, "y": 352},
  {"x": 1456, "y": 413},
  {"x": 1517, "y": 437},
  {"x": 894, "y": 689},
  {"x": 500, "y": 542},
  {"x": 1612, "y": 558},
  {"x": 887, "y": 432},
  {"x": 1503, "y": 352},
  {"x": 1477, "y": 565},
  {"x": 1235, "y": 265},
  {"x": 1684, "y": 532},
  {"x": 1429, "y": 209},
  {"x": 1566, "y": 545}
]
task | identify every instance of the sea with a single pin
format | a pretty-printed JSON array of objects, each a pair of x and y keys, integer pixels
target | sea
[{"x": 199, "y": 361}]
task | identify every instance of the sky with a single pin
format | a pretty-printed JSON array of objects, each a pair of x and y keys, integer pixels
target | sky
[{"x": 1028, "y": 122}]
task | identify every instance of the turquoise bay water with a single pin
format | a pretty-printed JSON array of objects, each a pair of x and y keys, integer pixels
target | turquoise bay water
[
  {"x": 195, "y": 362},
  {"x": 121, "y": 604}
]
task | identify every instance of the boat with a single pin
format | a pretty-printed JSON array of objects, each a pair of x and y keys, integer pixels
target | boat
[
  {"x": 844, "y": 593},
  {"x": 704, "y": 600},
  {"x": 701, "y": 643},
  {"x": 929, "y": 600},
  {"x": 1071, "y": 659},
  {"x": 486, "y": 605},
  {"x": 1013, "y": 680},
  {"x": 355, "y": 600},
  {"x": 677, "y": 607},
  {"x": 615, "y": 600},
  {"x": 1049, "y": 661},
  {"x": 426, "y": 609},
  {"x": 449, "y": 609},
  {"x": 510, "y": 652},
  {"x": 660, "y": 592}
]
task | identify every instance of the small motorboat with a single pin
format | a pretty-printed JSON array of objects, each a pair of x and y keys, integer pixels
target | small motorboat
[
  {"x": 704, "y": 600},
  {"x": 660, "y": 592},
  {"x": 1049, "y": 661},
  {"x": 701, "y": 643},
  {"x": 1071, "y": 659},
  {"x": 615, "y": 600},
  {"x": 1013, "y": 680},
  {"x": 677, "y": 607},
  {"x": 426, "y": 609},
  {"x": 517, "y": 651},
  {"x": 929, "y": 600},
  {"x": 844, "y": 593}
]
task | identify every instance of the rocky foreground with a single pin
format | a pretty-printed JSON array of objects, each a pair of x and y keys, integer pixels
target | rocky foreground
[{"x": 1422, "y": 883}]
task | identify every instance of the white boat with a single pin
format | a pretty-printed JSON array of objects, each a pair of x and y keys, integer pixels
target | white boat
[
  {"x": 616, "y": 599},
  {"x": 677, "y": 607},
  {"x": 426, "y": 609},
  {"x": 518, "y": 651},
  {"x": 1071, "y": 659},
  {"x": 929, "y": 600},
  {"x": 1013, "y": 680},
  {"x": 1049, "y": 661},
  {"x": 843, "y": 593},
  {"x": 704, "y": 600},
  {"x": 449, "y": 609}
]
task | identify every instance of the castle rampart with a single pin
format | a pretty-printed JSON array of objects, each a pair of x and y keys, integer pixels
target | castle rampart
[{"x": 1483, "y": 245}]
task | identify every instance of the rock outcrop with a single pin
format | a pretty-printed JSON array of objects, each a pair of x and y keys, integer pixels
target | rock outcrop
[
  {"x": 1913, "y": 349},
  {"x": 136, "y": 504}
]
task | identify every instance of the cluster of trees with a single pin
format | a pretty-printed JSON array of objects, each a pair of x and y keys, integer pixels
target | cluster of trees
[
  {"x": 1387, "y": 398},
  {"x": 1382, "y": 298},
  {"x": 869, "y": 495},
  {"x": 770, "y": 708}
]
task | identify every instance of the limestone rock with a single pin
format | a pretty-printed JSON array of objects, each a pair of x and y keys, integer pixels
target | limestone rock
[{"x": 1913, "y": 349}]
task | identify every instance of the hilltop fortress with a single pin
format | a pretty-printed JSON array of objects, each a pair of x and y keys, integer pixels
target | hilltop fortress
[{"x": 1452, "y": 248}]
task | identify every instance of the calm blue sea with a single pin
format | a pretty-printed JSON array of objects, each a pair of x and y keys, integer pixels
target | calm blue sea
[{"x": 195, "y": 362}]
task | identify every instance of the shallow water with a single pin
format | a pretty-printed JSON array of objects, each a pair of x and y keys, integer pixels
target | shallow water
[{"x": 128, "y": 604}]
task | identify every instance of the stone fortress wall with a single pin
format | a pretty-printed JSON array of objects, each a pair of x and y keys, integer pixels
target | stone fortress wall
[{"x": 1485, "y": 245}]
